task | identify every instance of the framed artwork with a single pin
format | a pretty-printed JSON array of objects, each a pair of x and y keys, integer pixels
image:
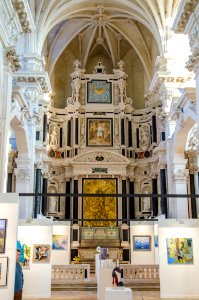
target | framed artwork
[
  {"x": 3, "y": 270},
  {"x": 99, "y": 132},
  {"x": 59, "y": 242},
  {"x": 3, "y": 223},
  {"x": 41, "y": 253},
  {"x": 24, "y": 258},
  {"x": 179, "y": 251},
  {"x": 156, "y": 241},
  {"x": 142, "y": 243},
  {"x": 99, "y": 91},
  {"x": 99, "y": 207}
]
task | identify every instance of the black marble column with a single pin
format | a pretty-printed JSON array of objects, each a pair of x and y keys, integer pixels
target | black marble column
[
  {"x": 75, "y": 202},
  {"x": 60, "y": 137},
  {"x": 137, "y": 138},
  {"x": 154, "y": 129},
  {"x": 124, "y": 202},
  {"x": 37, "y": 190},
  {"x": 155, "y": 199},
  {"x": 67, "y": 201},
  {"x": 163, "y": 191},
  {"x": 45, "y": 127},
  {"x": 131, "y": 201},
  {"x": 69, "y": 134},
  {"x": 122, "y": 132},
  {"x": 76, "y": 131},
  {"x": 193, "y": 200},
  {"x": 130, "y": 133},
  {"x": 9, "y": 183},
  {"x": 44, "y": 207}
]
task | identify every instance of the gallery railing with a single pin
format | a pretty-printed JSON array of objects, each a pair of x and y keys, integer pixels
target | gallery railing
[
  {"x": 140, "y": 273},
  {"x": 74, "y": 273}
]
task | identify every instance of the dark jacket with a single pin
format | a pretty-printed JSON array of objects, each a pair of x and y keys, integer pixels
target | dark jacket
[{"x": 18, "y": 278}]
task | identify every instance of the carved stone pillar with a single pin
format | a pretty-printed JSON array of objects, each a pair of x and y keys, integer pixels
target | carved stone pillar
[
  {"x": 131, "y": 199},
  {"x": 124, "y": 202},
  {"x": 75, "y": 201},
  {"x": 37, "y": 206},
  {"x": 179, "y": 176},
  {"x": 163, "y": 188},
  {"x": 23, "y": 175},
  {"x": 67, "y": 199},
  {"x": 193, "y": 167}
]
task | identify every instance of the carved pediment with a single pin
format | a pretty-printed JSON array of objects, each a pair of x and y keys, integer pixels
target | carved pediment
[{"x": 101, "y": 157}]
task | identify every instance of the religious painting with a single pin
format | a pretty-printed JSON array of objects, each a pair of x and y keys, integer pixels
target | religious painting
[
  {"x": 156, "y": 241},
  {"x": 3, "y": 270},
  {"x": 100, "y": 132},
  {"x": 24, "y": 259},
  {"x": 3, "y": 223},
  {"x": 41, "y": 253},
  {"x": 99, "y": 91},
  {"x": 179, "y": 251},
  {"x": 59, "y": 242},
  {"x": 99, "y": 207},
  {"x": 141, "y": 242}
]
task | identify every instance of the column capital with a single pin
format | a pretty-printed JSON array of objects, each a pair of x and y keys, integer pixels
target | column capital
[
  {"x": 22, "y": 175},
  {"x": 180, "y": 175}
]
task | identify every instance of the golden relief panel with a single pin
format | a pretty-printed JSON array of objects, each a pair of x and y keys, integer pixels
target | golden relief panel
[{"x": 99, "y": 207}]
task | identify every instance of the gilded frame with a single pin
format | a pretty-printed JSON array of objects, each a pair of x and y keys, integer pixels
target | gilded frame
[{"x": 99, "y": 132}]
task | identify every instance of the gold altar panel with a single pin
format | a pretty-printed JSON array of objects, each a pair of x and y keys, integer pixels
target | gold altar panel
[{"x": 99, "y": 207}]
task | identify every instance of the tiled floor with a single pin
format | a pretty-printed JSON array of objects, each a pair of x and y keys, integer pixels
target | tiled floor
[{"x": 137, "y": 295}]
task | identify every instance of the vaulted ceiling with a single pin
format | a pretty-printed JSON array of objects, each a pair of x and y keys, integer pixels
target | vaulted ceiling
[{"x": 114, "y": 29}]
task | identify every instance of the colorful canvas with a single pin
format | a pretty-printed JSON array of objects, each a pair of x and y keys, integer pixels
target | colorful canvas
[
  {"x": 59, "y": 242},
  {"x": 24, "y": 258},
  {"x": 99, "y": 91},
  {"x": 2, "y": 235},
  {"x": 179, "y": 251},
  {"x": 142, "y": 243},
  {"x": 41, "y": 253},
  {"x": 99, "y": 207},
  {"x": 156, "y": 242},
  {"x": 99, "y": 132}
]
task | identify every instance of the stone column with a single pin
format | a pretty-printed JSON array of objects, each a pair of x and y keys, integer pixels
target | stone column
[
  {"x": 75, "y": 201},
  {"x": 131, "y": 200},
  {"x": 37, "y": 206},
  {"x": 44, "y": 206},
  {"x": 67, "y": 199},
  {"x": 124, "y": 201},
  {"x": 155, "y": 199},
  {"x": 23, "y": 181},
  {"x": 163, "y": 189},
  {"x": 5, "y": 104},
  {"x": 179, "y": 176}
]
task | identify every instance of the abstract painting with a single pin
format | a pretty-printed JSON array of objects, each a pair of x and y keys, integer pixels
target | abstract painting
[
  {"x": 179, "y": 251},
  {"x": 99, "y": 91},
  {"x": 59, "y": 242},
  {"x": 141, "y": 242},
  {"x": 3, "y": 270},
  {"x": 99, "y": 132},
  {"x": 3, "y": 223},
  {"x": 41, "y": 253},
  {"x": 99, "y": 207},
  {"x": 24, "y": 258}
]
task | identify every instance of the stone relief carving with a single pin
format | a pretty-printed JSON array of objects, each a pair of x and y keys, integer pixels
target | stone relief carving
[
  {"x": 144, "y": 137},
  {"x": 106, "y": 157},
  {"x": 22, "y": 14},
  {"x": 13, "y": 59},
  {"x": 82, "y": 132},
  {"x": 180, "y": 175},
  {"x": 53, "y": 137},
  {"x": 193, "y": 139},
  {"x": 22, "y": 174},
  {"x": 56, "y": 171},
  {"x": 116, "y": 131}
]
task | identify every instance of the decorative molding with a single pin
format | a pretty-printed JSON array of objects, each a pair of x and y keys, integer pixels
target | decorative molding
[
  {"x": 22, "y": 174},
  {"x": 193, "y": 62},
  {"x": 185, "y": 10},
  {"x": 100, "y": 156},
  {"x": 13, "y": 59},
  {"x": 39, "y": 79},
  {"x": 22, "y": 9},
  {"x": 180, "y": 175}
]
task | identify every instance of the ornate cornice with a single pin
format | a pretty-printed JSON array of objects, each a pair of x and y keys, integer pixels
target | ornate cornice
[
  {"x": 13, "y": 59},
  {"x": 186, "y": 8},
  {"x": 23, "y": 11},
  {"x": 40, "y": 79},
  {"x": 193, "y": 62},
  {"x": 101, "y": 157}
]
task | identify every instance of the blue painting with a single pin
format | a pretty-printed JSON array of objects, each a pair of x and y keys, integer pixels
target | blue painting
[
  {"x": 156, "y": 242},
  {"x": 141, "y": 242},
  {"x": 59, "y": 242}
]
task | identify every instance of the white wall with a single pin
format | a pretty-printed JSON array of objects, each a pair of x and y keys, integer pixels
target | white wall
[
  {"x": 9, "y": 209},
  {"x": 156, "y": 249},
  {"x": 178, "y": 281},
  {"x": 142, "y": 257},
  {"x": 61, "y": 257},
  {"x": 37, "y": 280}
]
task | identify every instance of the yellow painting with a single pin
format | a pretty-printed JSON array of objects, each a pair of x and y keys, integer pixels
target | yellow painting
[
  {"x": 99, "y": 132},
  {"x": 99, "y": 207}
]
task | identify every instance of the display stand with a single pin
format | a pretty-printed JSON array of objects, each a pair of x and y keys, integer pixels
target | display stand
[
  {"x": 178, "y": 280},
  {"x": 104, "y": 281},
  {"x": 9, "y": 210},
  {"x": 118, "y": 293},
  {"x": 37, "y": 280}
]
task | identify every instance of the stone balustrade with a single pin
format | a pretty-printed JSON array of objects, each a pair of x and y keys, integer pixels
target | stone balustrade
[
  {"x": 63, "y": 274},
  {"x": 140, "y": 273}
]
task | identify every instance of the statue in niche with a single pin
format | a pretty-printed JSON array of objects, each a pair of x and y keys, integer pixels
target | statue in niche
[
  {"x": 54, "y": 137},
  {"x": 144, "y": 137},
  {"x": 53, "y": 203},
  {"x": 146, "y": 201}
]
